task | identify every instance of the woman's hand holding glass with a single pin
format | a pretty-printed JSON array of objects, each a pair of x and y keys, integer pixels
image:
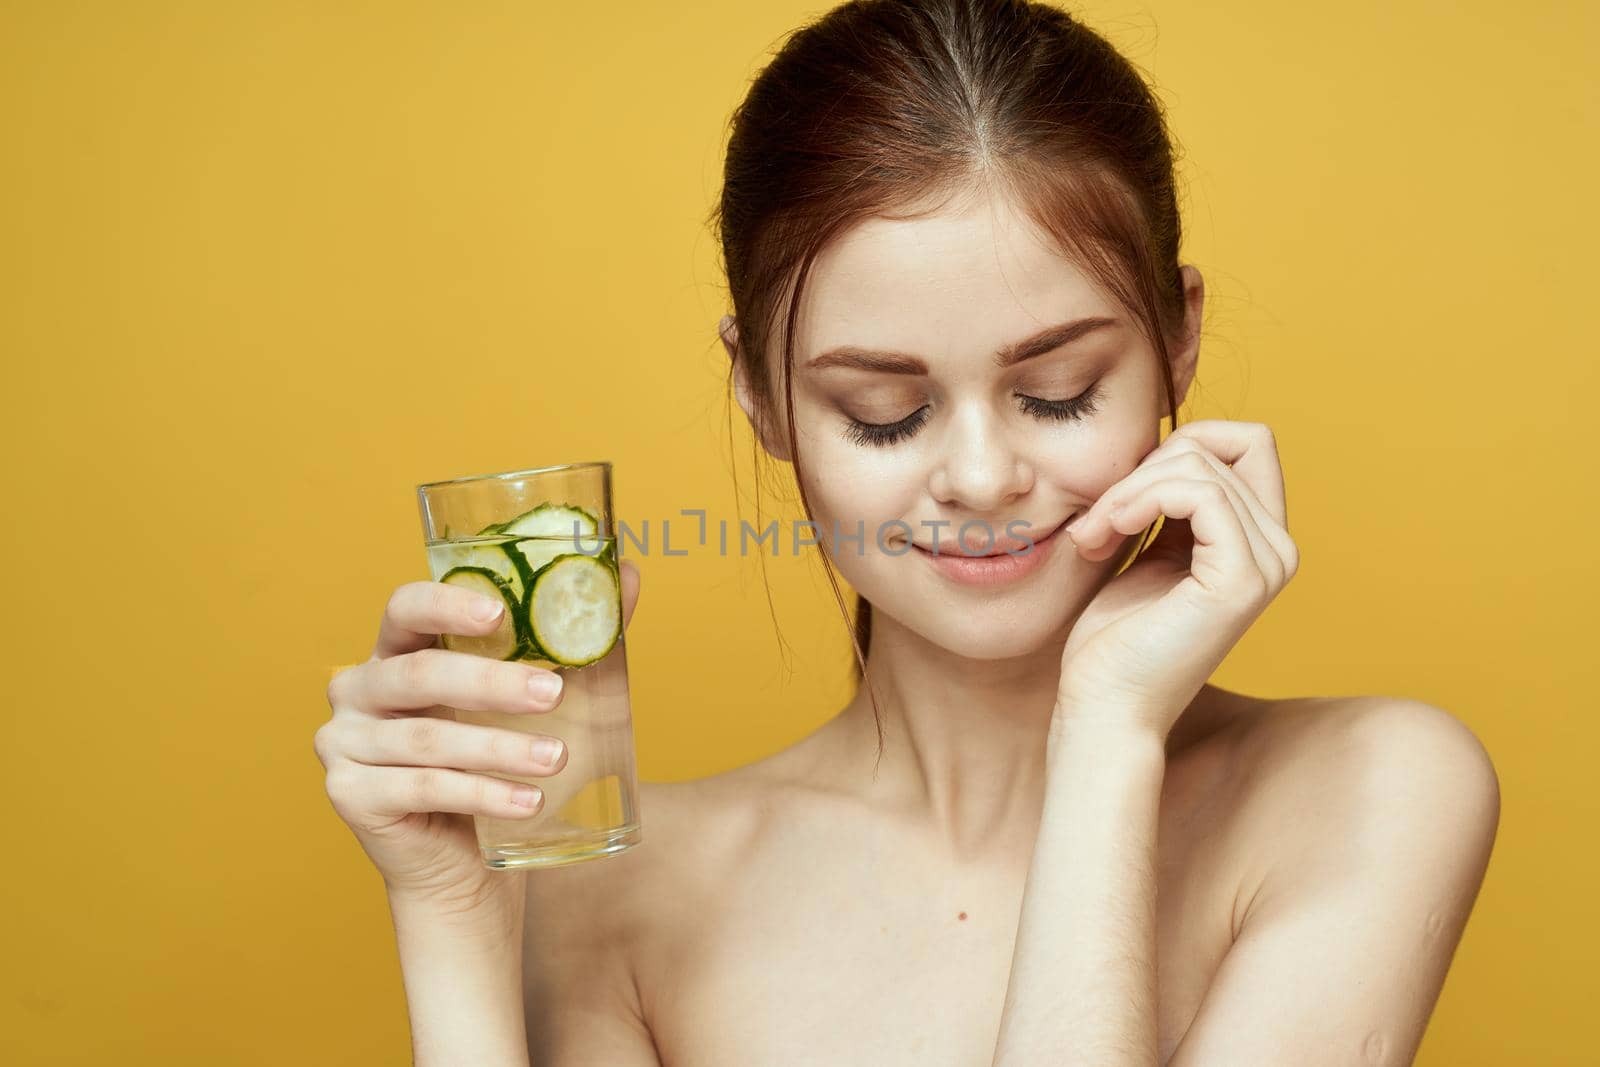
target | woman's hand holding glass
[{"x": 406, "y": 777}]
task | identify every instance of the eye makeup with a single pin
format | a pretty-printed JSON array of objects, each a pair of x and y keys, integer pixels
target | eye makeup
[
  {"x": 880, "y": 434},
  {"x": 883, "y": 434}
]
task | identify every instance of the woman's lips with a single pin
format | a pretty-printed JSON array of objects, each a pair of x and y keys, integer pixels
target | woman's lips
[{"x": 994, "y": 569}]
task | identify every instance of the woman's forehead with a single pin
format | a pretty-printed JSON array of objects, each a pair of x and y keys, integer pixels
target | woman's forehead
[{"x": 970, "y": 278}]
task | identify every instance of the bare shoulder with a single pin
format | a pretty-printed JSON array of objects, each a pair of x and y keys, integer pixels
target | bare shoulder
[
  {"x": 1383, "y": 748},
  {"x": 1328, "y": 783},
  {"x": 592, "y": 927},
  {"x": 1358, "y": 833}
]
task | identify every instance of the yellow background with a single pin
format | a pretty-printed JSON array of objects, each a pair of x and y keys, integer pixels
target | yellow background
[{"x": 264, "y": 267}]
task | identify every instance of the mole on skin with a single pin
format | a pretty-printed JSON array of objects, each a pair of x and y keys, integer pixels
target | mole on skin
[{"x": 962, "y": 916}]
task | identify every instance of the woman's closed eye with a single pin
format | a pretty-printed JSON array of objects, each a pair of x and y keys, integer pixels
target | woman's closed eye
[
  {"x": 885, "y": 433},
  {"x": 879, "y": 434}
]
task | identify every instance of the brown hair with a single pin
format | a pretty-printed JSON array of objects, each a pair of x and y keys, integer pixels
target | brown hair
[{"x": 883, "y": 104}]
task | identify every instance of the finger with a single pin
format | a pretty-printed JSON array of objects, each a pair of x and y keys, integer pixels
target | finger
[
  {"x": 366, "y": 794},
  {"x": 423, "y": 741},
  {"x": 1191, "y": 460},
  {"x": 1094, "y": 530},
  {"x": 418, "y": 612},
  {"x": 1284, "y": 556},
  {"x": 1221, "y": 560},
  {"x": 432, "y": 676},
  {"x": 1266, "y": 523},
  {"x": 1181, "y": 444},
  {"x": 629, "y": 576},
  {"x": 1273, "y": 546},
  {"x": 1251, "y": 450}
]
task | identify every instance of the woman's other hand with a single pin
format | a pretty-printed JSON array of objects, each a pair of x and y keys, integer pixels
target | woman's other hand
[
  {"x": 406, "y": 777},
  {"x": 1153, "y": 635}
]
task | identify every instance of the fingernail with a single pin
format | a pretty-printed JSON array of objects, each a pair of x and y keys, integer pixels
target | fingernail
[
  {"x": 546, "y": 750},
  {"x": 484, "y": 609},
  {"x": 545, "y": 687},
  {"x": 524, "y": 796}
]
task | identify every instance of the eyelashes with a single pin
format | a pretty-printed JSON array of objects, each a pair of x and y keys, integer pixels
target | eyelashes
[
  {"x": 881, "y": 434},
  {"x": 886, "y": 433},
  {"x": 1078, "y": 407}
]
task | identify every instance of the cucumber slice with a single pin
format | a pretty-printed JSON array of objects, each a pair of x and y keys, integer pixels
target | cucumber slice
[
  {"x": 547, "y": 531},
  {"x": 574, "y": 609},
  {"x": 445, "y": 556},
  {"x": 551, "y": 519},
  {"x": 506, "y": 641},
  {"x": 533, "y": 553}
]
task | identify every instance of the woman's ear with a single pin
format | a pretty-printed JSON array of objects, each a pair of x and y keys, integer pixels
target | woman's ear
[
  {"x": 728, "y": 330},
  {"x": 1186, "y": 355}
]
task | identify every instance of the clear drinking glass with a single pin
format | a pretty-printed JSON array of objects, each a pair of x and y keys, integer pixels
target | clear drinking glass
[{"x": 544, "y": 539}]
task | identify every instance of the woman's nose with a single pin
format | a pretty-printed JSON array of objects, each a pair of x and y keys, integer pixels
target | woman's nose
[{"x": 982, "y": 470}]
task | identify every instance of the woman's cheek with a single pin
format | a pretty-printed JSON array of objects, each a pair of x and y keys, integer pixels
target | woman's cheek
[
  {"x": 863, "y": 497},
  {"x": 1080, "y": 480},
  {"x": 1084, "y": 469}
]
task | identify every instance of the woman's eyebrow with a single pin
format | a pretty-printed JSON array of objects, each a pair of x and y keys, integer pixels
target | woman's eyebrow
[{"x": 1047, "y": 340}]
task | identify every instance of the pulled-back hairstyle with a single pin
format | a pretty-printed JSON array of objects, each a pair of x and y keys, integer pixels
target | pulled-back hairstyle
[{"x": 883, "y": 105}]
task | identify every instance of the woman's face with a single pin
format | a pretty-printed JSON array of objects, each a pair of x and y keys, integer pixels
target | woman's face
[{"x": 920, "y": 405}]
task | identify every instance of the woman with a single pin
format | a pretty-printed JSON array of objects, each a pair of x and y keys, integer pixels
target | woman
[{"x": 1036, "y": 834}]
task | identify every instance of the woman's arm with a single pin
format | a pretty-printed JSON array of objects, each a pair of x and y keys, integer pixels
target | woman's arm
[
  {"x": 1382, "y": 821},
  {"x": 1082, "y": 987},
  {"x": 463, "y": 981}
]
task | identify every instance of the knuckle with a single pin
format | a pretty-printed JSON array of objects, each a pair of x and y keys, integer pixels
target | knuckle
[
  {"x": 1264, "y": 432},
  {"x": 414, "y": 670},
  {"x": 486, "y": 792},
  {"x": 424, "y": 789},
  {"x": 506, "y": 749},
  {"x": 338, "y": 687},
  {"x": 424, "y": 736},
  {"x": 1184, "y": 445},
  {"x": 324, "y": 743},
  {"x": 493, "y": 676},
  {"x": 1291, "y": 561},
  {"x": 441, "y": 598},
  {"x": 342, "y": 786},
  {"x": 395, "y": 609}
]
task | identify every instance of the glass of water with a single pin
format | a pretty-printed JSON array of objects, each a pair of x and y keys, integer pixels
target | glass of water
[{"x": 544, "y": 541}]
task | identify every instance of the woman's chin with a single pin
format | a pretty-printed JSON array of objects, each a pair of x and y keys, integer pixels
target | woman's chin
[
  {"x": 987, "y": 628},
  {"x": 996, "y": 639}
]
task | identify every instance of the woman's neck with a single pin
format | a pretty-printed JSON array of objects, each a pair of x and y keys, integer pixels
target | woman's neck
[{"x": 963, "y": 739}]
